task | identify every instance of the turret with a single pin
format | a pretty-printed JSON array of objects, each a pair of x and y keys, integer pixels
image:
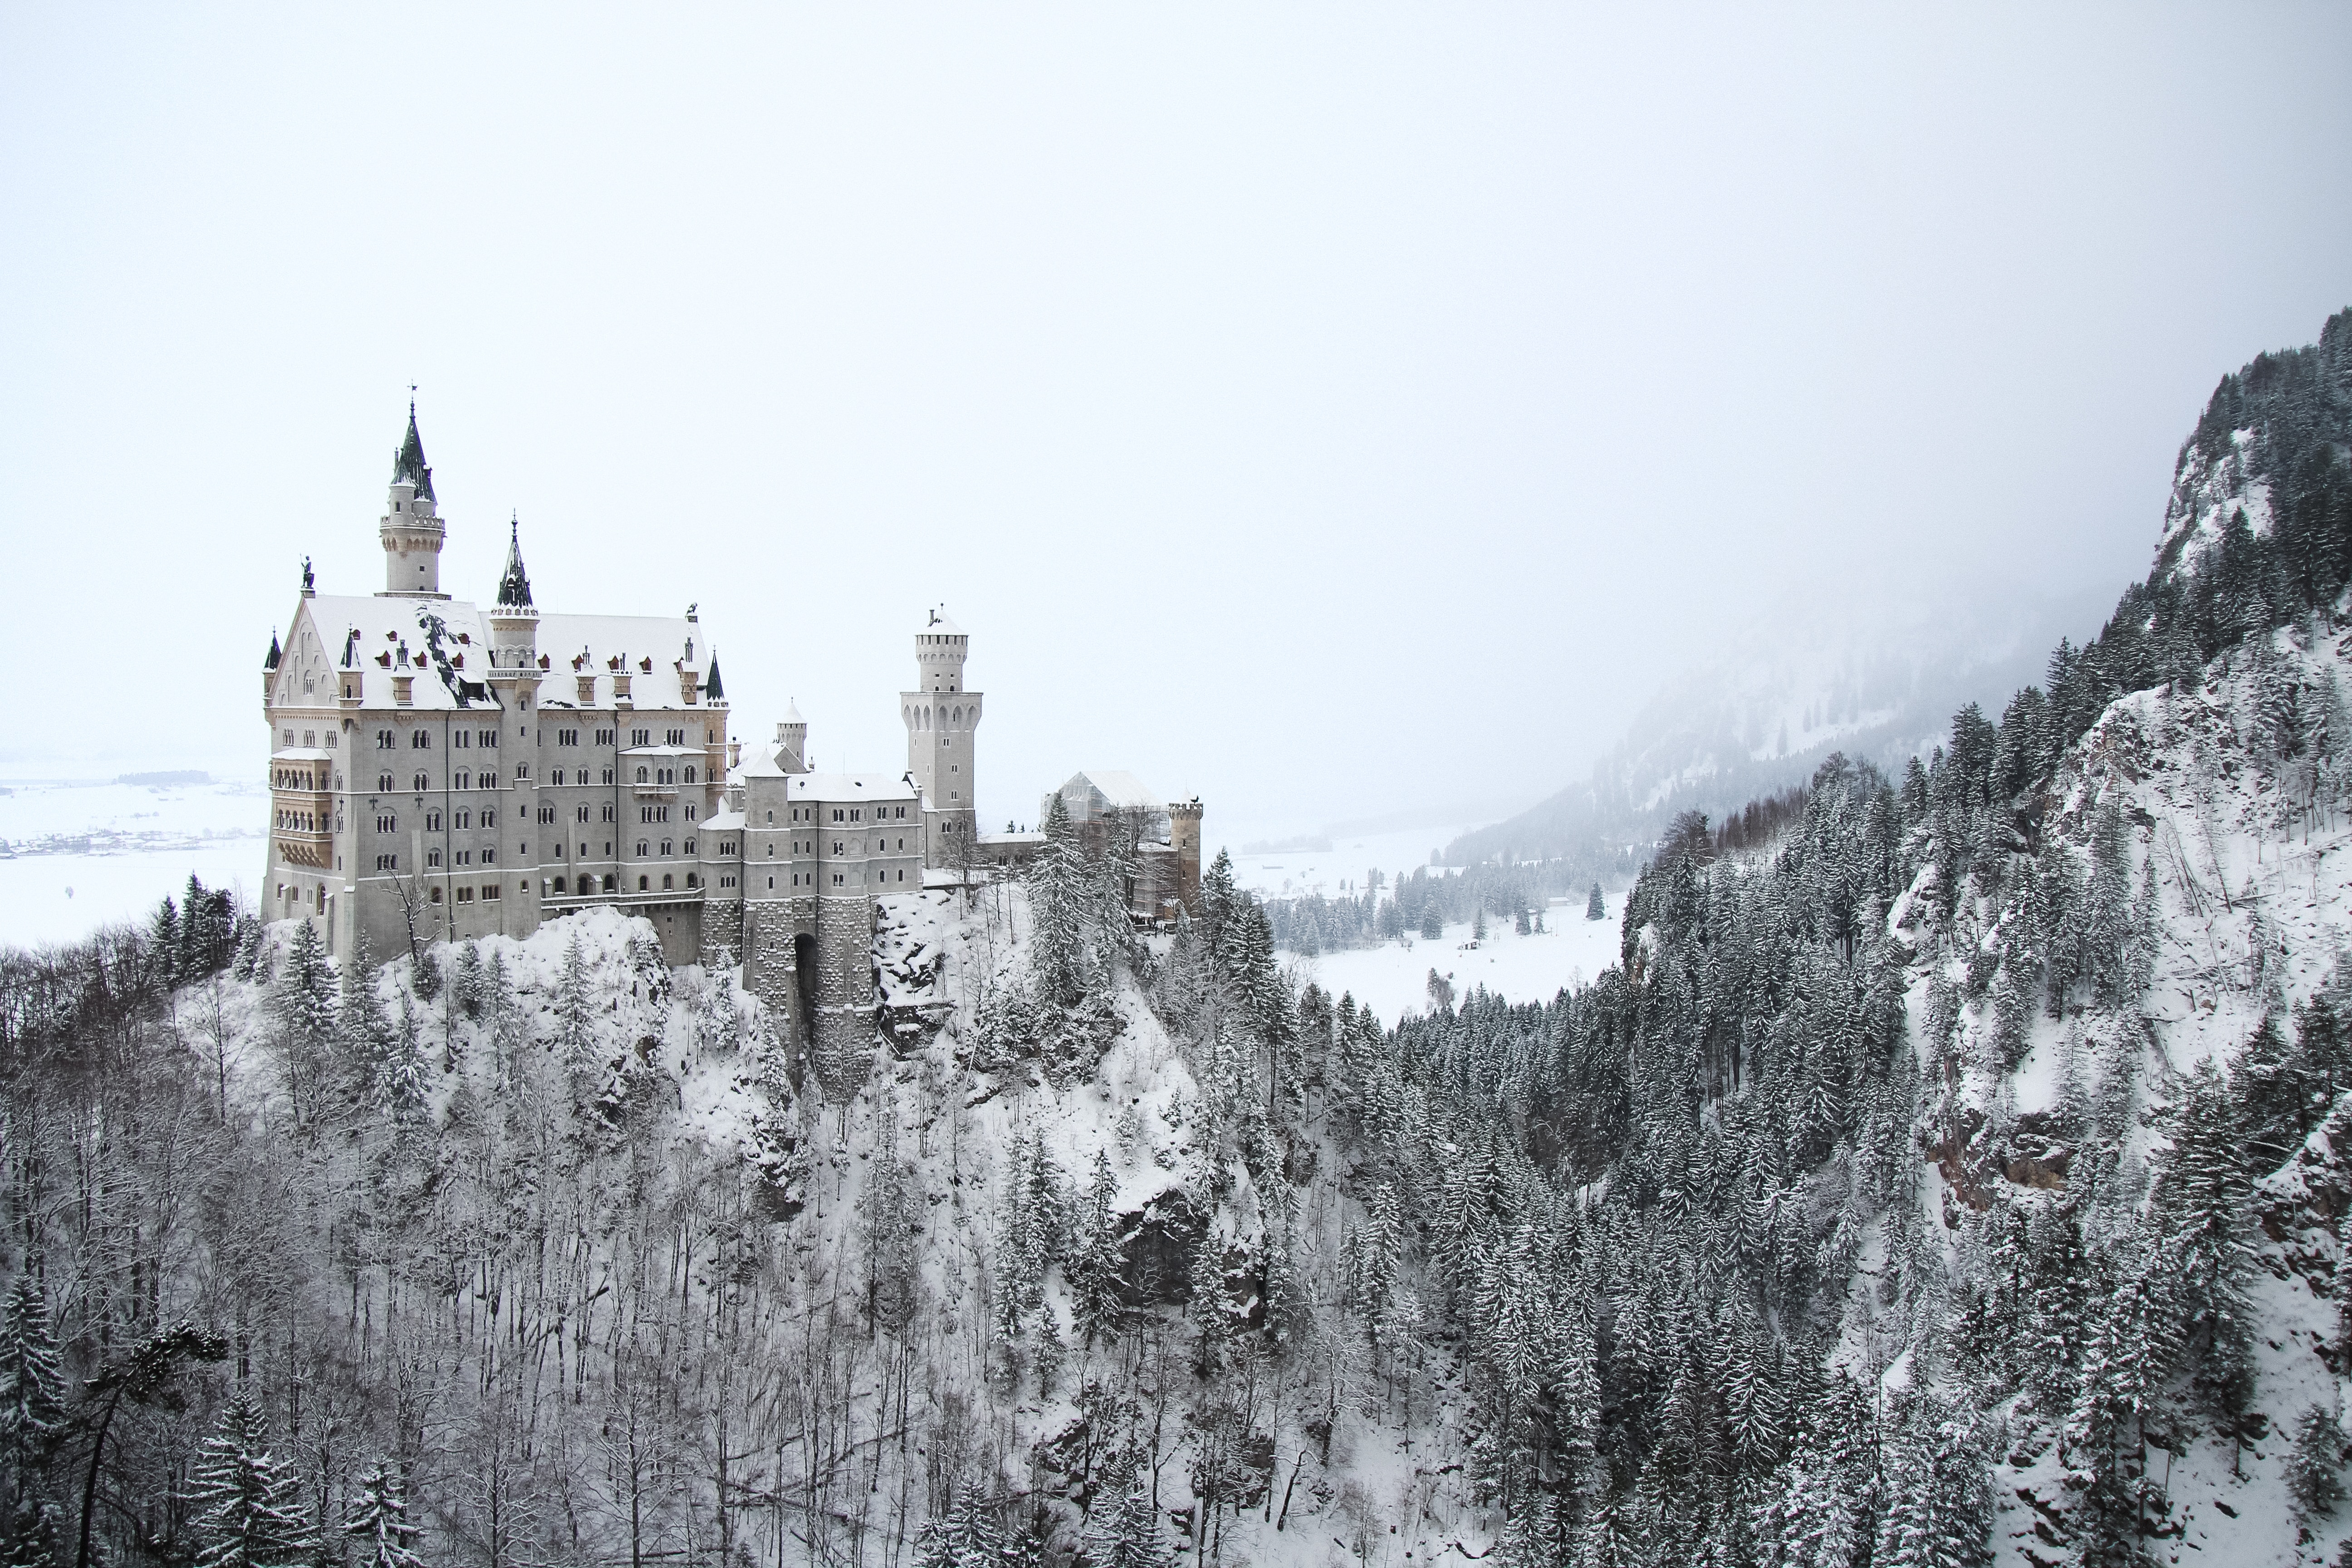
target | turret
[
  {"x": 791, "y": 741},
  {"x": 411, "y": 528},
  {"x": 941, "y": 719},
  {"x": 1184, "y": 837},
  {"x": 939, "y": 649},
  {"x": 514, "y": 621}
]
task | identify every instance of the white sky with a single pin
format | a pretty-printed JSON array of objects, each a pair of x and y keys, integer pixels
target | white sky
[{"x": 1329, "y": 409}]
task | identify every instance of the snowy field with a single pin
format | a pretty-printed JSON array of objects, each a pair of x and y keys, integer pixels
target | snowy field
[
  {"x": 85, "y": 854},
  {"x": 1340, "y": 869},
  {"x": 1393, "y": 979},
  {"x": 51, "y": 898}
]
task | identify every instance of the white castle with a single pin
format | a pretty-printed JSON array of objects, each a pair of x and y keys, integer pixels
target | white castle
[{"x": 440, "y": 771}]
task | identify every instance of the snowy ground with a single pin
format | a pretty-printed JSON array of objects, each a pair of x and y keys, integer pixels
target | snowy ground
[
  {"x": 51, "y": 898},
  {"x": 83, "y": 855},
  {"x": 1393, "y": 979},
  {"x": 1343, "y": 866}
]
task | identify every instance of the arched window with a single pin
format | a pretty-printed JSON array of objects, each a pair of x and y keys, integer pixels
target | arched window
[
  {"x": 641, "y": 775},
  {"x": 612, "y": 883},
  {"x": 666, "y": 884},
  {"x": 641, "y": 884},
  {"x": 422, "y": 784},
  {"x": 690, "y": 775},
  {"x": 559, "y": 884},
  {"x": 692, "y": 880}
]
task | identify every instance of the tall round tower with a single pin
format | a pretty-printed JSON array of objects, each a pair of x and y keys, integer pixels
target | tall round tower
[
  {"x": 941, "y": 719},
  {"x": 412, "y": 529}
]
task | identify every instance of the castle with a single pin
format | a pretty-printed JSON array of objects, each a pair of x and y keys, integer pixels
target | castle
[{"x": 440, "y": 771}]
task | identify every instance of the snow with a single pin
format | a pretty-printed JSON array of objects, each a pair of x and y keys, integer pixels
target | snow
[
  {"x": 89, "y": 854},
  {"x": 1392, "y": 979}
]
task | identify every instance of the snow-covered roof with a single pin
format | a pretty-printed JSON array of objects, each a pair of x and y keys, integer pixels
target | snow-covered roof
[
  {"x": 850, "y": 787},
  {"x": 446, "y": 644},
  {"x": 1118, "y": 789},
  {"x": 1011, "y": 841},
  {"x": 722, "y": 822},
  {"x": 940, "y": 627},
  {"x": 298, "y": 754}
]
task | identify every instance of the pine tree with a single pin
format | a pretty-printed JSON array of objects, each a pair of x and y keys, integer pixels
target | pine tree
[
  {"x": 1433, "y": 921},
  {"x": 575, "y": 1016},
  {"x": 31, "y": 1405},
  {"x": 1095, "y": 1271},
  {"x": 1127, "y": 1536},
  {"x": 2314, "y": 1468},
  {"x": 1060, "y": 912},
  {"x": 245, "y": 1503},
  {"x": 965, "y": 1536},
  {"x": 1596, "y": 908},
  {"x": 379, "y": 1522}
]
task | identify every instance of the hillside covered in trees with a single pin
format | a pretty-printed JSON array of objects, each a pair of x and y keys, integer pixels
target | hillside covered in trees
[{"x": 1950, "y": 1172}]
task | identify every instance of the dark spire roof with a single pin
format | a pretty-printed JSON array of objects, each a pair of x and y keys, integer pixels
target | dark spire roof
[
  {"x": 514, "y": 588},
  {"x": 712, "y": 691},
  {"x": 271, "y": 662},
  {"x": 408, "y": 463}
]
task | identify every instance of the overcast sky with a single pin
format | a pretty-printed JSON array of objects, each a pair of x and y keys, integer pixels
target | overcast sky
[{"x": 1327, "y": 409}]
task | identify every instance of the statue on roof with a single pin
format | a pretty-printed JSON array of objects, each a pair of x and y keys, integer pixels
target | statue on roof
[{"x": 310, "y": 582}]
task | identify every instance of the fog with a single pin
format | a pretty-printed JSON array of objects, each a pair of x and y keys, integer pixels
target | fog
[{"x": 1332, "y": 411}]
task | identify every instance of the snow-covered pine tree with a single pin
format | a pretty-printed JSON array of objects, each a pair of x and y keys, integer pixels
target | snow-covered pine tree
[
  {"x": 32, "y": 1400},
  {"x": 575, "y": 1008},
  {"x": 247, "y": 1505},
  {"x": 1127, "y": 1536},
  {"x": 378, "y": 1523}
]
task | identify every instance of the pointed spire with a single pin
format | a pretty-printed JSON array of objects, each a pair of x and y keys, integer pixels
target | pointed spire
[
  {"x": 408, "y": 463},
  {"x": 514, "y": 588},
  {"x": 274, "y": 654},
  {"x": 713, "y": 690}
]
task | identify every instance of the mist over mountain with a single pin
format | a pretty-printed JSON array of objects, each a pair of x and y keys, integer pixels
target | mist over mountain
[{"x": 1879, "y": 682}]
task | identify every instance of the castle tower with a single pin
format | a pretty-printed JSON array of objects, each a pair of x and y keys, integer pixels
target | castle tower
[
  {"x": 942, "y": 718},
  {"x": 791, "y": 741},
  {"x": 514, "y": 621},
  {"x": 1184, "y": 837},
  {"x": 412, "y": 530}
]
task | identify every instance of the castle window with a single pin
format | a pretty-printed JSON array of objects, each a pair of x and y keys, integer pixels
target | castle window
[
  {"x": 432, "y": 822},
  {"x": 607, "y": 778},
  {"x": 421, "y": 740},
  {"x": 690, "y": 845},
  {"x": 432, "y": 858},
  {"x": 464, "y": 858},
  {"x": 678, "y": 737},
  {"x": 690, "y": 881},
  {"x": 556, "y": 777},
  {"x": 457, "y": 739},
  {"x": 641, "y": 737},
  {"x": 465, "y": 895},
  {"x": 559, "y": 884},
  {"x": 690, "y": 775},
  {"x": 423, "y": 783},
  {"x": 836, "y": 879},
  {"x": 612, "y": 883},
  {"x": 489, "y": 890},
  {"x": 608, "y": 815},
  {"x": 583, "y": 814},
  {"x": 641, "y": 847},
  {"x": 463, "y": 780},
  {"x": 489, "y": 856},
  {"x": 836, "y": 813},
  {"x": 666, "y": 846},
  {"x": 666, "y": 883},
  {"x": 383, "y": 740},
  {"x": 331, "y": 740},
  {"x": 465, "y": 819},
  {"x": 290, "y": 737},
  {"x": 641, "y": 775},
  {"x": 689, "y": 814},
  {"x": 771, "y": 820},
  {"x": 643, "y": 884},
  {"x": 567, "y": 737},
  {"x": 383, "y": 783},
  {"x": 437, "y": 895},
  {"x": 386, "y": 824}
]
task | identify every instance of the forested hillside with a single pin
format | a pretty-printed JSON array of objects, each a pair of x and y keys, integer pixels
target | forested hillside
[{"x": 1949, "y": 1174}]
